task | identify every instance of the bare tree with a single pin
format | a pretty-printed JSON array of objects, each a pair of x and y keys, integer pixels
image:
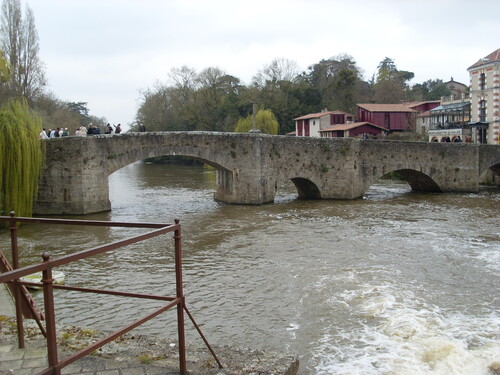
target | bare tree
[
  {"x": 19, "y": 42},
  {"x": 184, "y": 79},
  {"x": 278, "y": 70}
]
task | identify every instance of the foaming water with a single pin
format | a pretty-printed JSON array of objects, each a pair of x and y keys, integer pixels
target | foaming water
[
  {"x": 395, "y": 331},
  {"x": 393, "y": 283}
]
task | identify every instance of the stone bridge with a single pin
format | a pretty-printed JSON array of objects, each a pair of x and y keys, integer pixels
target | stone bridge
[{"x": 251, "y": 167}]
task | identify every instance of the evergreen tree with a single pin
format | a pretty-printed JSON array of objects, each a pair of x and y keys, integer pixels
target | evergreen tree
[{"x": 392, "y": 84}]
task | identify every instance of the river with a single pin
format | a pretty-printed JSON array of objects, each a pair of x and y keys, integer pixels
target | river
[{"x": 393, "y": 283}]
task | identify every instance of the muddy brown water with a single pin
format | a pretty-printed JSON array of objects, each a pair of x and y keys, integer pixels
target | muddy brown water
[{"x": 393, "y": 283}]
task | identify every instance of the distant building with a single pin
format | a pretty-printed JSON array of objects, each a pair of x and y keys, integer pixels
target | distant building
[
  {"x": 422, "y": 117},
  {"x": 311, "y": 124},
  {"x": 393, "y": 117},
  {"x": 457, "y": 89},
  {"x": 449, "y": 122},
  {"x": 421, "y": 107},
  {"x": 363, "y": 130},
  {"x": 423, "y": 123},
  {"x": 485, "y": 99}
]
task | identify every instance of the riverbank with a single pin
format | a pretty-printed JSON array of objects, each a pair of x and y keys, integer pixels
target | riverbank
[{"x": 132, "y": 354}]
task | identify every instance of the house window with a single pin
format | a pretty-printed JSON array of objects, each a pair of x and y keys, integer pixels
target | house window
[
  {"x": 482, "y": 111},
  {"x": 387, "y": 120},
  {"x": 482, "y": 81}
]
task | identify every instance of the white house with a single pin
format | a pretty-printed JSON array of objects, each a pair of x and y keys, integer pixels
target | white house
[{"x": 311, "y": 124}]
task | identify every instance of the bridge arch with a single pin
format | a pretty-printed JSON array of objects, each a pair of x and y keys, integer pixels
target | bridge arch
[
  {"x": 491, "y": 176},
  {"x": 120, "y": 160},
  {"x": 218, "y": 167},
  {"x": 121, "y": 154},
  {"x": 418, "y": 181},
  {"x": 306, "y": 188},
  {"x": 489, "y": 164}
]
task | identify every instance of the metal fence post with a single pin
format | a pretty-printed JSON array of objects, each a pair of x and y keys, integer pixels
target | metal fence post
[
  {"x": 50, "y": 318},
  {"x": 180, "y": 294},
  {"x": 17, "y": 287}
]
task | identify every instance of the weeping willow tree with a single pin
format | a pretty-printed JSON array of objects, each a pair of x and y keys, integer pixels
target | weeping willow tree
[
  {"x": 265, "y": 121},
  {"x": 21, "y": 157}
]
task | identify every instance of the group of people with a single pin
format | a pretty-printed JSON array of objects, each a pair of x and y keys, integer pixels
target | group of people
[
  {"x": 82, "y": 131},
  {"x": 457, "y": 139},
  {"x": 54, "y": 133}
]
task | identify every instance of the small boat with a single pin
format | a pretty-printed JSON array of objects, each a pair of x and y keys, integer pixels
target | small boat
[{"x": 58, "y": 276}]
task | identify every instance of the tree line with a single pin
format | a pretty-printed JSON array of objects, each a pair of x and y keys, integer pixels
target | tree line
[
  {"x": 22, "y": 73},
  {"x": 214, "y": 100},
  {"x": 211, "y": 99}
]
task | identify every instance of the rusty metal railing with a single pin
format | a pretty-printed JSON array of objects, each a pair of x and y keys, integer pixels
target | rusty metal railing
[{"x": 13, "y": 277}]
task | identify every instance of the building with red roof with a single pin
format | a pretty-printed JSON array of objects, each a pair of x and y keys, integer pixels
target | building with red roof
[
  {"x": 421, "y": 107},
  {"x": 363, "y": 130},
  {"x": 310, "y": 125},
  {"x": 393, "y": 117}
]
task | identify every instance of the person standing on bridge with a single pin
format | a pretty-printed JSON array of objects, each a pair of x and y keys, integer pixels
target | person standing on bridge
[
  {"x": 83, "y": 131},
  {"x": 108, "y": 129},
  {"x": 118, "y": 129}
]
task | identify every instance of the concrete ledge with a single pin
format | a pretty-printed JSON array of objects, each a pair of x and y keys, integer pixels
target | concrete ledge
[{"x": 135, "y": 354}]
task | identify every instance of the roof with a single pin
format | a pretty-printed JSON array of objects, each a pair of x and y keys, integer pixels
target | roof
[
  {"x": 351, "y": 126},
  {"x": 492, "y": 57},
  {"x": 312, "y": 115},
  {"x": 386, "y": 107},
  {"x": 424, "y": 114},
  {"x": 320, "y": 114},
  {"x": 416, "y": 104},
  {"x": 455, "y": 82},
  {"x": 451, "y": 106}
]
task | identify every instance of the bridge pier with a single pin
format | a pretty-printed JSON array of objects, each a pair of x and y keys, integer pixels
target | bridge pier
[
  {"x": 72, "y": 182},
  {"x": 240, "y": 188},
  {"x": 60, "y": 194}
]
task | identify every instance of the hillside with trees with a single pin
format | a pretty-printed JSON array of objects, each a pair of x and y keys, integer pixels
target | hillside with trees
[{"x": 215, "y": 100}]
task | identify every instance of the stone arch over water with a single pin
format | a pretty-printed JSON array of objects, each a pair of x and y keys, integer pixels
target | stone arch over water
[
  {"x": 417, "y": 180},
  {"x": 306, "y": 188}
]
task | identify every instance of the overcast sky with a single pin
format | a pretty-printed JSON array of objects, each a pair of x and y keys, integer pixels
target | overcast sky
[{"x": 104, "y": 52}]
